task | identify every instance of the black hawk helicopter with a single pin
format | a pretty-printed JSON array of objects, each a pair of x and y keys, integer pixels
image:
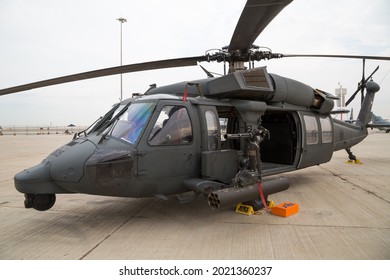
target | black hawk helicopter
[{"x": 219, "y": 136}]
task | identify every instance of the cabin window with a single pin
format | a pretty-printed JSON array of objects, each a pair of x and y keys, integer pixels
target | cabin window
[
  {"x": 172, "y": 127},
  {"x": 326, "y": 127},
  {"x": 212, "y": 130},
  {"x": 229, "y": 124},
  {"x": 311, "y": 129},
  {"x": 223, "y": 122}
]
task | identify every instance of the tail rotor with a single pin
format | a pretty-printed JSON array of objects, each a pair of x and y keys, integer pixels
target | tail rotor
[{"x": 362, "y": 84}]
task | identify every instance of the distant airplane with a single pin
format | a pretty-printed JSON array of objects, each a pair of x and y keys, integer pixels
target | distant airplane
[{"x": 380, "y": 123}]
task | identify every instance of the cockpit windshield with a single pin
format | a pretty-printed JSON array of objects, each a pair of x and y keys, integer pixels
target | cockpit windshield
[
  {"x": 130, "y": 123},
  {"x": 103, "y": 121}
]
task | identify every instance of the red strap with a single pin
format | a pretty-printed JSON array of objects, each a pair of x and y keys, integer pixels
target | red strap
[
  {"x": 185, "y": 94},
  {"x": 262, "y": 197}
]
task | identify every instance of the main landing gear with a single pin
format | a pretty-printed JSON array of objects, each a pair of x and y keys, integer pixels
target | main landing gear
[{"x": 40, "y": 202}]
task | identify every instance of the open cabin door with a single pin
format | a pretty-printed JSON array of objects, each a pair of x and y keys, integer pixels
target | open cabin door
[
  {"x": 317, "y": 139},
  {"x": 281, "y": 148}
]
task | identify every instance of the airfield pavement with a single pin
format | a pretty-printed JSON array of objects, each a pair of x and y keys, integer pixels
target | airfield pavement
[{"x": 344, "y": 213}]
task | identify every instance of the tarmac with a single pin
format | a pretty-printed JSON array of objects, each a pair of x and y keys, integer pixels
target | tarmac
[{"x": 344, "y": 214}]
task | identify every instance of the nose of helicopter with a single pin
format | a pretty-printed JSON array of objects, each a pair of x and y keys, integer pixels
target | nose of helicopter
[
  {"x": 65, "y": 165},
  {"x": 36, "y": 180}
]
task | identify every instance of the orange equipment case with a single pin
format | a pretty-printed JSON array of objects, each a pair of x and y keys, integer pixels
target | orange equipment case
[{"x": 285, "y": 209}]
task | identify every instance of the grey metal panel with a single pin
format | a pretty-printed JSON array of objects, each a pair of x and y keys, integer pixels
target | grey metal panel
[
  {"x": 254, "y": 84},
  {"x": 220, "y": 165}
]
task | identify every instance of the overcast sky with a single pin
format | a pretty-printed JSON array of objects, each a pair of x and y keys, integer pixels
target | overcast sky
[{"x": 44, "y": 39}]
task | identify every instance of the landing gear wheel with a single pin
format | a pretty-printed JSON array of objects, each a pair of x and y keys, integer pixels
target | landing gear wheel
[
  {"x": 43, "y": 202},
  {"x": 256, "y": 204},
  {"x": 40, "y": 202}
]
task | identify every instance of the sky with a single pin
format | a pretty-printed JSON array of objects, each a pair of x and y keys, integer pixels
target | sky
[{"x": 45, "y": 39}]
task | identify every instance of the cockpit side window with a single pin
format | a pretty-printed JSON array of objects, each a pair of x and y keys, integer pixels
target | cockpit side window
[
  {"x": 131, "y": 123},
  {"x": 173, "y": 127}
]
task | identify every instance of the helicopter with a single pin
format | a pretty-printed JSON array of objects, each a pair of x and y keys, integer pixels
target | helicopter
[{"x": 220, "y": 137}]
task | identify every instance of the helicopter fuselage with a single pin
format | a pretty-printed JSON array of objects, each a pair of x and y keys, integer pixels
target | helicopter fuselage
[
  {"x": 162, "y": 144},
  {"x": 205, "y": 136}
]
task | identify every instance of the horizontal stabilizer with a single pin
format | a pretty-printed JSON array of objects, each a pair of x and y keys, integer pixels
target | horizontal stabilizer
[{"x": 340, "y": 111}]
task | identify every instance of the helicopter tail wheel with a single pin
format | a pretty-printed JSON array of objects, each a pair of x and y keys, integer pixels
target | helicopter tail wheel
[
  {"x": 40, "y": 202},
  {"x": 352, "y": 158}
]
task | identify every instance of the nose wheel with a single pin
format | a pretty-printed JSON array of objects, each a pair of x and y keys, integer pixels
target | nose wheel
[{"x": 40, "y": 202}]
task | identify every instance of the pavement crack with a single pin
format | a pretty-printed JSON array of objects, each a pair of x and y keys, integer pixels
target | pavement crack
[
  {"x": 312, "y": 225},
  {"x": 355, "y": 185},
  {"x": 112, "y": 232}
]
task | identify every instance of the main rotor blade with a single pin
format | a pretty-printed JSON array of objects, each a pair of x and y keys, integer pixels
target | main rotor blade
[
  {"x": 339, "y": 56},
  {"x": 257, "y": 14},
  {"x": 152, "y": 65},
  {"x": 363, "y": 78}
]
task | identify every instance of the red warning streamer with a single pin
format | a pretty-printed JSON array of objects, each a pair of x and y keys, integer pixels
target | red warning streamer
[
  {"x": 262, "y": 197},
  {"x": 185, "y": 94}
]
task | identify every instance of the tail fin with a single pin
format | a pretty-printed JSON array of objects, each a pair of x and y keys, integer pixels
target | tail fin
[
  {"x": 376, "y": 119},
  {"x": 365, "y": 112}
]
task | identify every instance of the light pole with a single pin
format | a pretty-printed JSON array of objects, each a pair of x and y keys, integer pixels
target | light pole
[{"x": 122, "y": 20}]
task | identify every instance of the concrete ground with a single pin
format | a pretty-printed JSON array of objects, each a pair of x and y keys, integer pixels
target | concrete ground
[{"x": 344, "y": 214}]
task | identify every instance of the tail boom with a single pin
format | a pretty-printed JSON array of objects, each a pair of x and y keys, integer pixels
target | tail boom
[{"x": 347, "y": 135}]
